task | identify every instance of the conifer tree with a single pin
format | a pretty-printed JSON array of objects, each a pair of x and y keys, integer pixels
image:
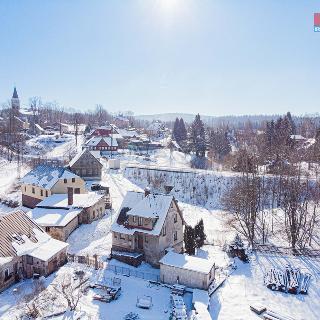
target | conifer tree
[
  {"x": 189, "y": 240},
  {"x": 197, "y": 136},
  {"x": 199, "y": 233}
]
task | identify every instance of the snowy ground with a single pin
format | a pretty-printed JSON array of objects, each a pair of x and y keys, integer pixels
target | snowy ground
[
  {"x": 131, "y": 288},
  {"x": 161, "y": 158},
  {"x": 245, "y": 286}
]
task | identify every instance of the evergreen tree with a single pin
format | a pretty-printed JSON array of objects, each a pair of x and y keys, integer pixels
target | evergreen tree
[
  {"x": 189, "y": 240},
  {"x": 197, "y": 136},
  {"x": 292, "y": 124},
  {"x": 200, "y": 236},
  {"x": 182, "y": 130},
  {"x": 176, "y": 129}
]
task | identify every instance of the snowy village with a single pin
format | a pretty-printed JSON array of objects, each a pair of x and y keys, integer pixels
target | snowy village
[{"x": 142, "y": 196}]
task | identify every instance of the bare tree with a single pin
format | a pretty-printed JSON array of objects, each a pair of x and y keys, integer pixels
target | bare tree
[
  {"x": 299, "y": 202},
  {"x": 243, "y": 201},
  {"x": 71, "y": 290}
]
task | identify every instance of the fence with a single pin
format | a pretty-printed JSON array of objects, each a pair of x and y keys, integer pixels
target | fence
[
  {"x": 94, "y": 262},
  {"x": 130, "y": 272}
]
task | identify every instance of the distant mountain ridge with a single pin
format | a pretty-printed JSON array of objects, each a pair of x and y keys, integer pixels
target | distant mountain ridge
[{"x": 189, "y": 117}]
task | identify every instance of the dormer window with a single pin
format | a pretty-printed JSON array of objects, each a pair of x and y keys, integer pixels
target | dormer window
[{"x": 139, "y": 221}]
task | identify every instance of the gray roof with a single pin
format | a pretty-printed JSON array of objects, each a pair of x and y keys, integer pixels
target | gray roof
[
  {"x": 15, "y": 224},
  {"x": 46, "y": 176}
]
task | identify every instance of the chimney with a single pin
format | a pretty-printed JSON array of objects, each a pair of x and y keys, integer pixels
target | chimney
[
  {"x": 168, "y": 189},
  {"x": 146, "y": 191},
  {"x": 70, "y": 196}
]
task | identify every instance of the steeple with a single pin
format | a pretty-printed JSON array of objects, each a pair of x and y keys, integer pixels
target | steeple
[
  {"x": 15, "y": 93},
  {"x": 15, "y": 102}
]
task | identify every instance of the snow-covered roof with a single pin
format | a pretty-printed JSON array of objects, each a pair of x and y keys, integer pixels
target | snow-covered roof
[
  {"x": 20, "y": 235},
  {"x": 39, "y": 127},
  {"x": 157, "y": 125},
  {"x": 94, "y": 141},
  {"x": 78, "y": 156},
  {"x": 121, "y": 118},
  {"x": 154, "y": 206},
  {"x": 45, "y": 247},
  {"x": 297, "y": 137},
  {"x": 53, "y": 216},
  {"x": 83, "y": 200},
  {"x": 184, "y": 261},
  {"x": 46, "y": 176},
  {"x": 5, "y": 260},
  {"x": 128, "y": 133},
  {"x": 105, "y": 127}
]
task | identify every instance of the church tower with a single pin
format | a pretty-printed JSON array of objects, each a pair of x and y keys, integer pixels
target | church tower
[{"x": 15, "y": 102}]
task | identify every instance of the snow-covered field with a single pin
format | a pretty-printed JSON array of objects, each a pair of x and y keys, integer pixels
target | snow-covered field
[
  {"x": 245, "y": 286},
  {"x": 53, "y": 146}
]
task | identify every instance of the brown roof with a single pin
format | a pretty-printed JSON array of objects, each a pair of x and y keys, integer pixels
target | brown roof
[{"x": 15, "y": 223}]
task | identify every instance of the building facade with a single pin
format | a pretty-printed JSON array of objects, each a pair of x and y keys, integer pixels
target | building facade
[
  {"x": 147, "y": 225},
  {"x": 86, "y": 165},
  {"x": 44, "y": 181}
]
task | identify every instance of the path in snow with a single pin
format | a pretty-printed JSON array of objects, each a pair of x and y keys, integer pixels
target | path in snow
[{"x": 96, "y": 238}]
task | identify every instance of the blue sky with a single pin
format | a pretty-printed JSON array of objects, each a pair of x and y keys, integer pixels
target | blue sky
[{"x": 215, "y": 57}]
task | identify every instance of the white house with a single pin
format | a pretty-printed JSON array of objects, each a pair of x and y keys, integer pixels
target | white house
[{"x": 189, "y": 271}]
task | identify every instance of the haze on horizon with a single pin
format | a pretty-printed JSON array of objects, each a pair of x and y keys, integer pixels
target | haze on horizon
[{"x": 163, "y": 56}]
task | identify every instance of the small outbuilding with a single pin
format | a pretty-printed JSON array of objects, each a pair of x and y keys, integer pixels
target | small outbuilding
[{"x": 189, "y": 271}]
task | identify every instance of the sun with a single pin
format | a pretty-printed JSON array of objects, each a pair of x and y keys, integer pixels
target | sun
[{"x": 168, "y": 5}]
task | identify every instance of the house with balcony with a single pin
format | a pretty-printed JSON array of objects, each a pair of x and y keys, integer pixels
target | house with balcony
[{"x": 146, "y": 227}]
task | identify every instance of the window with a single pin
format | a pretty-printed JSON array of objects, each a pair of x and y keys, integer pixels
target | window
[
  {"x": 29, "y": 260},
  {"x": 33, "y": 191},
  {"x": 175, "y": 236},
  {"x": 41, "y": 193},
  {"x": 134, "y": 219},
  {"x": 6, "y": 274},
  {"x": 146, "y": 239},
  {"x": 164, "y": 230},
  {"x": 65, "y": 180},
  {"x": 122, "y": 236},
  {"x": 46, "y": 193},
  {"x": 77, "y": 190},
  {"x": 94, "y": 214},
  {"x": 25, "y": 188},
  {"x": 175, "y": 219},
  {"x": 115, "y": 236},
  {"x": 47, "y": 229},
  {"x": 139, "y": 221},
  {"x": 73, "y": 180}
]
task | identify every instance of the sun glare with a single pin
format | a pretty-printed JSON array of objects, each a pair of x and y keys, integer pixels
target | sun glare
[{"x": 168, "y": 5}]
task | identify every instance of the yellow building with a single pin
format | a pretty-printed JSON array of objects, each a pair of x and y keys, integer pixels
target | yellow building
[{"x": 45, "y": 180}]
